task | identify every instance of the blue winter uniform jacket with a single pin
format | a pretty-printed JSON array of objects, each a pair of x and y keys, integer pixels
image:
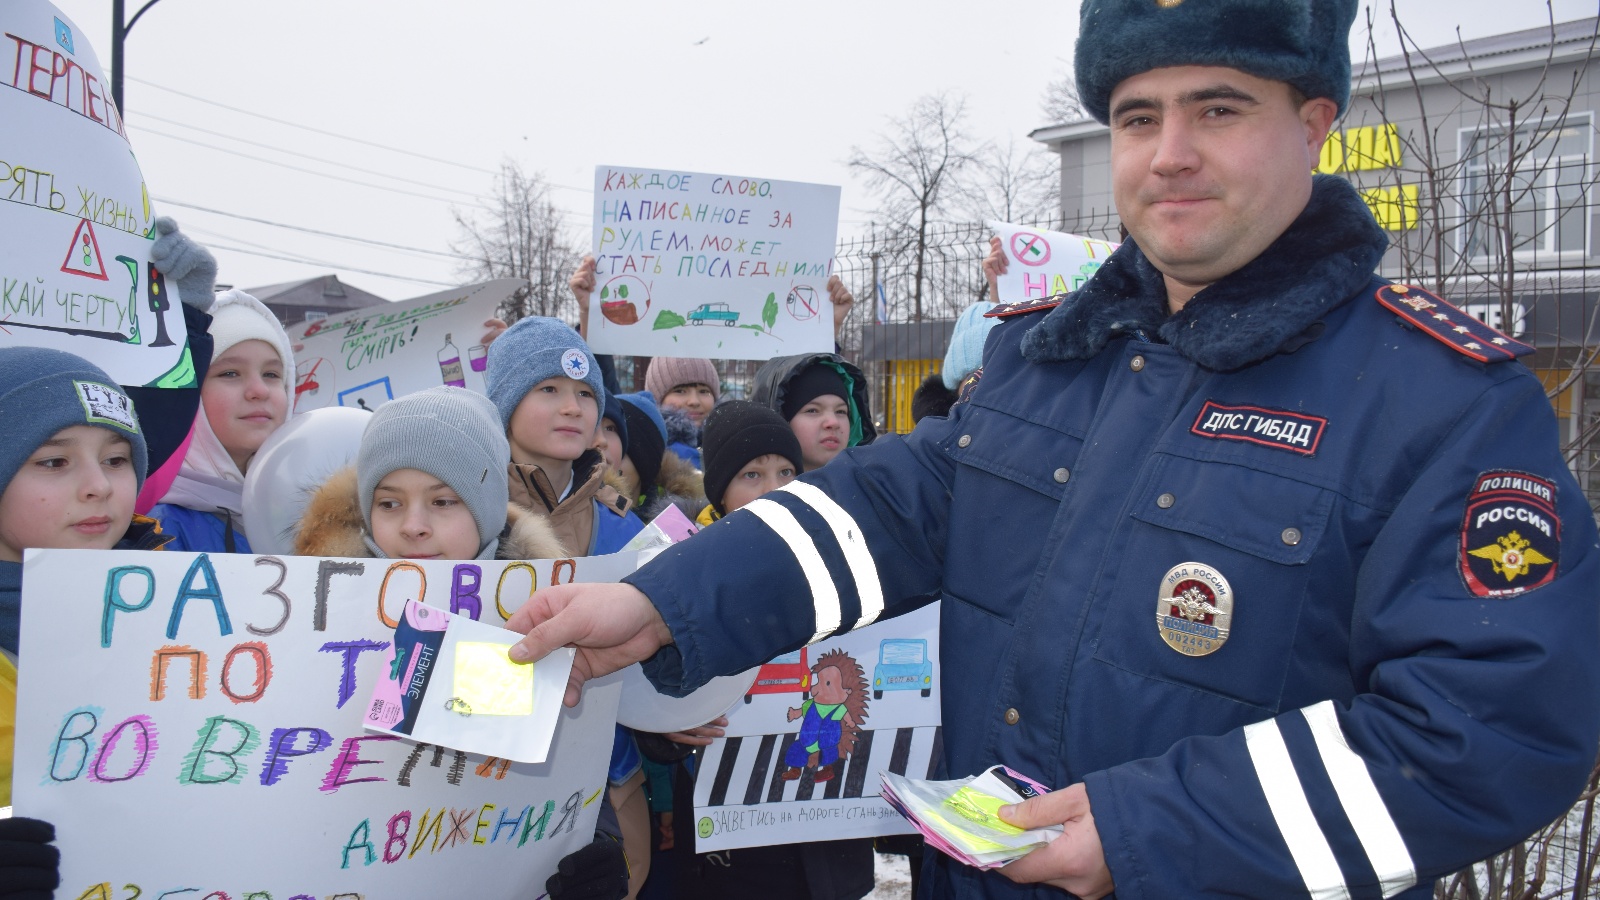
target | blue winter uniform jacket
[{"x": 1303, "y": 595}]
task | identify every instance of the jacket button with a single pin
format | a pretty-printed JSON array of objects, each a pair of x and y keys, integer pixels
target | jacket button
[
  {"x": 964, "y": 441},
  {"x": 1061, "y": 476},
  {"x": 1136, "y": 364},
  {"x": 1291, "y": 536},
  {"x": 1012, "y": 716},
  {"x": 1165, "y": 501}
]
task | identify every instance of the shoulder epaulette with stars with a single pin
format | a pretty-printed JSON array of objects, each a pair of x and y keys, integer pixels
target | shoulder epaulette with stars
[
  {"x": 1005, "y": 310},
  {"x": 1450, "y": 326}
]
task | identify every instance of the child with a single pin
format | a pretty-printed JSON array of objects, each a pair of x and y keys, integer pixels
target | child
[
  {"x": 612, "y": 440},
  {"x": 71, "y": 465},
  {"x": 690, "y": 387},
  {"x": 546, "y": 386},
  {"x": 653, "y": 476},
  {"x": 824, "y": 400},
  {"x": 749, "y": 450},
  {"x": 429, "y": 483},
  {"x": 246, "y": 396}
]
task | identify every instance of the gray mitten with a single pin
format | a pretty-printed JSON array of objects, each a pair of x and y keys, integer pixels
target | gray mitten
[{"x": 186, "y": 263}]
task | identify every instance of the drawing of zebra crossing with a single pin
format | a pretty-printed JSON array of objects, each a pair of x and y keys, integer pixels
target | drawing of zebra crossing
[{"x": 742, "y": 800}]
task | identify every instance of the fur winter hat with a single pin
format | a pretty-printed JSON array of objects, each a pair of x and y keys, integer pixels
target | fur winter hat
[
  {"x": 48, "y": 390},
  {"x": 737, "y": 432},
  {"x": 452, "y": 434},
  {"x": 667, "y": 372},
  {"x": 532, "y": 350},
  {"x": 1303, "y": 42}
]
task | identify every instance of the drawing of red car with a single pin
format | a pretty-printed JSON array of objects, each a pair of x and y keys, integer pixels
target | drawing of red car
[{"x": 786, "y": 674}]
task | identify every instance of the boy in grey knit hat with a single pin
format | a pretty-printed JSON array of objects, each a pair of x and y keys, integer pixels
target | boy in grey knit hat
[{"x": 431, "y": 476}]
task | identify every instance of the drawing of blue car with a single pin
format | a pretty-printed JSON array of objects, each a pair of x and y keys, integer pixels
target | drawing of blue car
[{"x": 903, "y": 665}]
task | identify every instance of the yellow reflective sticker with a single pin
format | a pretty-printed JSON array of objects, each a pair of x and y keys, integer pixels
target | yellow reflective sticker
[
  {"x": 981, "y": 808},
  {"x": 488, "y": 683}
]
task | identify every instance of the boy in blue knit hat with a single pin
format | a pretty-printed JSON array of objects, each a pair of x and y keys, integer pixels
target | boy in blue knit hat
[
  {"x": 71, "y": 465},
  {"x": 546, "y": 385}
]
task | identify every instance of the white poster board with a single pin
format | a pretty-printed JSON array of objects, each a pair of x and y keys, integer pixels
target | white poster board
[
  {"x": 193, "y": 723},
  {"x": 366, "y": 357},
  {"x": 75, "y": 269},
  {"x": 719, "y": 266},
  {"x": 741, "y": 797},
  {"x": 1044, "y": 263}
]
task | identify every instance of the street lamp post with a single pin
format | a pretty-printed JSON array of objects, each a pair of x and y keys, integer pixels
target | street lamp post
[{"x": 119, "y": 32}]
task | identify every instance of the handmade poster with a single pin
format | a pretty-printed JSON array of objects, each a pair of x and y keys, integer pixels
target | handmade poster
[
  {"x": 713, "y": 265},
  {"x": 193, "y": 724},
  {"x": 447, "y": 680},
  {"x": 1043, "y": 263},
  {"x": 805, "y": 752},
  {"x": 366, "y": 357},
  {"x": 75, "y": 269}
]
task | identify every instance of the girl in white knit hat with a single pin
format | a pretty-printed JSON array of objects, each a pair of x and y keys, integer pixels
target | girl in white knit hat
[{"x": 246, "y": 396}]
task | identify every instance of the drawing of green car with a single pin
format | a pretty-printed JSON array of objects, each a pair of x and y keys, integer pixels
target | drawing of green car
[{"x": 713, "y": 312}]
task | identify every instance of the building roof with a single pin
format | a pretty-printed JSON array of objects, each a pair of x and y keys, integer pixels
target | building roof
[
  {"x": 324, "y": 292},
  {"x": 1487, "y": 55}
]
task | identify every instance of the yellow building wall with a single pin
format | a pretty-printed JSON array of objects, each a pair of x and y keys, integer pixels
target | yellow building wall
[{"x": 905, "y": 375}]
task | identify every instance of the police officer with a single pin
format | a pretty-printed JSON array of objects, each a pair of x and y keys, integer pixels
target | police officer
[{"x": 1272, "y": 566}]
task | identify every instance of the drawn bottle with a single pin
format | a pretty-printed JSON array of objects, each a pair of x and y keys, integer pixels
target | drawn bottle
[{"x": 450, "y": 365}]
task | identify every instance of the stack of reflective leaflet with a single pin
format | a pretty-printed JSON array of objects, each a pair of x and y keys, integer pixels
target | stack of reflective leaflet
[{"x": 961, "y": 818}]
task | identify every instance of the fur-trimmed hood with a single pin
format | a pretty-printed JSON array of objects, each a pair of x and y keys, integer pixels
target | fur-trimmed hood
[
  {"x": 679, "y": 484},
  {"x": 332, "y": 526},
  {"x": 680, "y": 428},
  {"x": 1270, "y": 305}
]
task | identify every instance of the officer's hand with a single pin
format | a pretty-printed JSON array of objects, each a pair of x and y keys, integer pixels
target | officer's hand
[
  {"x": 1073, "y": 862},
  {"x": 612, "y": 625},
  {"x": 187, "y": 264},
  {"x": 995, "y": 265},
  {"x": 30, "y": 867},
  {"x": 701, "y": 736}
]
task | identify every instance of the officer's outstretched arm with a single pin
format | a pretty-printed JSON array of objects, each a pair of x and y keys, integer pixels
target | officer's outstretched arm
[
  {"x": 859, "y": 540},
  {"x": 1472, "y": 722}
]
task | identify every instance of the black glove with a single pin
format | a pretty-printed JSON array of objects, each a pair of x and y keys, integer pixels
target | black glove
[
  {"x": 189, "y": 265},
  {"x": 30, "y": 868},
  {"x": 596, "y": 872}
]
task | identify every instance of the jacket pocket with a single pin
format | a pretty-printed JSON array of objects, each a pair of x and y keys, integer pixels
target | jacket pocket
[
  {"x": 1010, "y": 474},
  {"x": 1215, "y": 570}
]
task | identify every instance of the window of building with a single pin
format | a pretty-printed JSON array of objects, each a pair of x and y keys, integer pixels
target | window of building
[{"x": 1541, "y": 173}]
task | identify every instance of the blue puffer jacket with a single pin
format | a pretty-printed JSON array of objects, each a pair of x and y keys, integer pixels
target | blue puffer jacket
[
  {"x": 1295, "y": 580},
  {"x": 194, "y": 531}
]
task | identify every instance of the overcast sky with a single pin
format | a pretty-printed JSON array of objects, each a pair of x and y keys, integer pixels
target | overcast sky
[{"x": 776, "y": 90}]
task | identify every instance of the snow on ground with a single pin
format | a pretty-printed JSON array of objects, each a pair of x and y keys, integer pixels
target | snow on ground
[{"x": 894, "y": 878}]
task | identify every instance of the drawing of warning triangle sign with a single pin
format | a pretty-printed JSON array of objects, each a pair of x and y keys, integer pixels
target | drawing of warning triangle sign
[{"x": 83, "y": 257}]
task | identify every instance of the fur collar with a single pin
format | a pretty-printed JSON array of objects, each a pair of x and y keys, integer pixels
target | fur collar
[
  {"x": 332, "y": 526},
  {"x": 1324, "y": 257},
  {"x": 680, "y": 428}
]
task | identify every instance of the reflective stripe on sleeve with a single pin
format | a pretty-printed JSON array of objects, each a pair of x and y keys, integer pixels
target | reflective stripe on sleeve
[
  {"x": 1368, "y": 814},
  {"x": 824, "y": 596},
  {"x": 854, "y": 544},
  {"x": 1287, "y": 800}
]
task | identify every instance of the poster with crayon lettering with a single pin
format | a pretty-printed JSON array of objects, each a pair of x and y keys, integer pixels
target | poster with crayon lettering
[
  {"x": 713, "y": 265},
  {"x": 75, "y": 269},
  {"x": 1041, "y": 263},
  {"x": 366, "y": 357},
  {"x": 193, "y": 724}
]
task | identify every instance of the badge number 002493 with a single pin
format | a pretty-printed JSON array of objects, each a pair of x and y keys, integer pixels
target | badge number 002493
[{"x": 1195, "y": 609}]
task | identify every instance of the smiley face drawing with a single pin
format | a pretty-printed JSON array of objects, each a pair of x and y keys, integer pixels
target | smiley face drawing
[{"x": 620, "y": 299}]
